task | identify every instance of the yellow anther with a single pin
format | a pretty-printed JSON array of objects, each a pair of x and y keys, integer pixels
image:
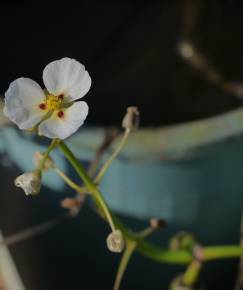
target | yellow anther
[{"x": 53, "y": 102}]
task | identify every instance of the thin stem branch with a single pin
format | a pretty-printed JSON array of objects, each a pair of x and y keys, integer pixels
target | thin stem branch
[
  {"x": 146, "y": 232},
  {"x": 92, "y": 188},
  {"x": 53, "y": 144},
  {"x": 73, "y": 185},
  {"x": 130, "y": 247},
  {"x": 107, "y": 164},
  {"x": 190, "y": 276},
  {"x": 33, "y": 231}
]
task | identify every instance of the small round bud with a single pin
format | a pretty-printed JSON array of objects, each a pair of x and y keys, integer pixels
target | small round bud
[
  {"x": 157, "y": 223},
  {"x": 182, "y": 241},
  {"x": 73, "y": 204},
  {"x": 115, "y": 242},
  {"x": 37, "y": 158},
  {"x": 30, "y": 182},
  {"x": 131, "y": 119},
  {"x": 186, "y": 49}
]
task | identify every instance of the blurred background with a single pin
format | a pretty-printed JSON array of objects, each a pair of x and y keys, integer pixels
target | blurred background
[{"x": 178, "y": 61}]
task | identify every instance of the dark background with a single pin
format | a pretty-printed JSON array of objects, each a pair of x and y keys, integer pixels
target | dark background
[{"x": 129, "y": 48}]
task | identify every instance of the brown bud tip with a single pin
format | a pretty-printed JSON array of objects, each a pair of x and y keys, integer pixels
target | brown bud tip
[
  {"x": 131, "y": 119},
  {"x": 115, "y": 242},
  {"x": 157, "y": 223},
  {"x": 72, "y": 204}
]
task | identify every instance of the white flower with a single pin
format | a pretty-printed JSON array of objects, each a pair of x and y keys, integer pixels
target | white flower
[
  {"x": 30, "y": 182},
  {"x": 53, "y": 110},
  {"x": 115, "y": 242}
]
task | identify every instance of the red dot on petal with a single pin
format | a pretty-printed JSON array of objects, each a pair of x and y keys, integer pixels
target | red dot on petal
[
  {"x": 42, "y": 106},
  {"x": 61, "y": 96},
  {"x": 60, "y": 114}
]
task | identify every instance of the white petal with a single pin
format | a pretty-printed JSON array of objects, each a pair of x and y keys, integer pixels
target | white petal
[
  {"x": 67, "y": 76},
  {"x": 21, "y": 103},
  {"x": 56, "y": 127}
]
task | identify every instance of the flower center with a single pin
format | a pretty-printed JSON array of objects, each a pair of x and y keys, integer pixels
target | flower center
[{"x": 52, "y": 102}]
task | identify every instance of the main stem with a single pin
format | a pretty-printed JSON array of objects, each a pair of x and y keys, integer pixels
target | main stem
[
  {"x": 145, "y": 248},
  {"x": 92, "y": 188}
]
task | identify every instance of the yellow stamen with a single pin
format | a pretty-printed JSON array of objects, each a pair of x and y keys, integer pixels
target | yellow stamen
[{"x": 53, "y": 102}]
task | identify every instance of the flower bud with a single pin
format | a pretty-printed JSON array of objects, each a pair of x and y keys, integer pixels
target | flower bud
[
  {"x": 115, "y": 242},
  {"x": 131, "y": 119},
  {"x": 186, "y": 49},
  {"x": 73, "y": 204},
  {"x": 30, "y": 182},
  {"x": 37, "y": 158},
  {"x": 157, "y": 223},
  {"x": 182, "y": 241}
]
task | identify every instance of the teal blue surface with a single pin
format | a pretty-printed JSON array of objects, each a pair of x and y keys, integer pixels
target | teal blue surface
[{"x": 201, "y": 191}]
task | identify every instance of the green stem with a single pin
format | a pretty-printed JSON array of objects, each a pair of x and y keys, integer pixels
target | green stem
[
  {"x": 53, "y": 144},
  {"x": 146, "y": 232},
  {"x": 130, "y": 247},
  {"x": 69, "y": 182},
  {"x": 77, "y": 166},
  {"x": 191, "y": 274},
  {"x": 112, "y": 157},
  {"x": 217, "y": 252},
  {"x": 88, "y": 182},
  {"x": 145, "y": 248}
]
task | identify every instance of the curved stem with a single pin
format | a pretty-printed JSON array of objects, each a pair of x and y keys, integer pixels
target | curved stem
[
  {"x": 112, "y": 157},
  {"x": 99, "y": 199},
  {"x": 53, "y": 144},
  {"x": 92, "y": 188},
  {"x": 130, "y": 247},
  {"x": 190, "y": 276},
  {"x": 69, "y": 182},
  {"x": 145, "y": 248}
]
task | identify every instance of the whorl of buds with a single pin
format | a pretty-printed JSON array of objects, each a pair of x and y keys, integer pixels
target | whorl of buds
[
  {"x": 30, "y": 182},
  {"x": 131, "y": 119},
  {"x": 115, "y": 242},
  {"x": 38, "y": 157}
]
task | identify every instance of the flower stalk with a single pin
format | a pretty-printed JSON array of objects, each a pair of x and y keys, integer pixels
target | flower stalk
[
  {"x": 130, "y": 248},
  {"x": 69, "y": 182},
  {"x": 41, "y": 165},
  {"x": 145, "y": 248},
  {"x": 113, "y": 156},
  {"x": 91, "y": 186}
]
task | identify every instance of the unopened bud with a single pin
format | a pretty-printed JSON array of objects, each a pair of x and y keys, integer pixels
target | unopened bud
[
  {"x": 115, "y": 242},
  {"x": 157, "y": 223},
  {"x": 186, "y": 49},
  {"x": 182, "y": 241},
  {"x": 30, "y": 182},
  {"x": 38, "y": 157},
  {"x": 131, "y": 119},
  {"x": 73, "y": 204}
]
